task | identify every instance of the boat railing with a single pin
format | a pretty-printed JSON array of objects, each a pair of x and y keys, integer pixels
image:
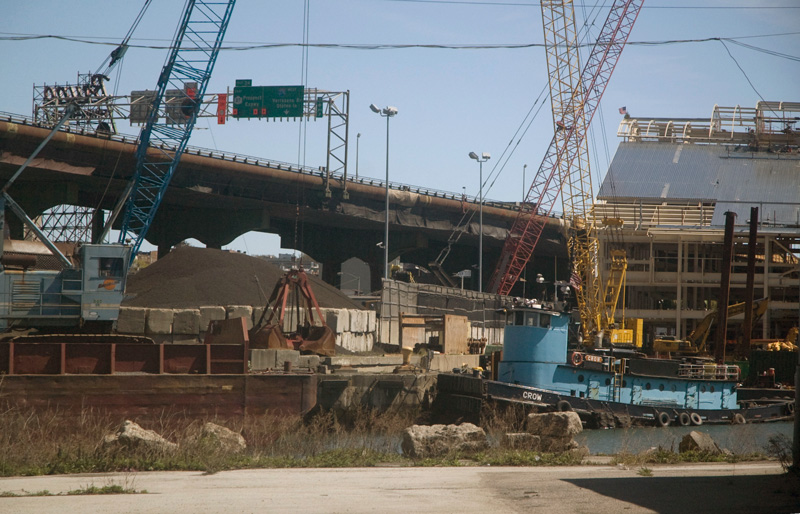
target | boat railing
[{"x": 709, "y": 371}]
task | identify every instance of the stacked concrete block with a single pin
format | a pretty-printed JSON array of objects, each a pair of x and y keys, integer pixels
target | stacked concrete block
[
  {"x": 186, "y": 322},
  {"x": 159, "y": 321},
  {"x": 338, "y": 320},
  {"x": 372, "y": 322},
  {"x": 358, "y": 321},
  {"x": 275, "y": 359},
  {"x": 131, "y": 320},
  {"x": 210, "y": 313},
  {"x": 240, "y": 311},
  {"x": 355, "y": 342}
]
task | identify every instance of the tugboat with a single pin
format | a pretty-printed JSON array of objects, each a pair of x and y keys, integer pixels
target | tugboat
[{"x": 608, "y": 386}]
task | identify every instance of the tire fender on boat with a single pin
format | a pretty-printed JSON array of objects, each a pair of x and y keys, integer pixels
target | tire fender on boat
[
  {"x": 577, "y": 358},
  {"x": 684, "y": 419},
  {"x": 790, "y": 407},
  {"x": 738, "y": 419},
  {"x": 563, "y": 406},
  {"x": 696, "y": 419},
  {"x": 663, "y": 419}
]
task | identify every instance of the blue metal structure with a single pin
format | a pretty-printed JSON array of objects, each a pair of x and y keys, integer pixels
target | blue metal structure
[{"x": 170, "y": 123}]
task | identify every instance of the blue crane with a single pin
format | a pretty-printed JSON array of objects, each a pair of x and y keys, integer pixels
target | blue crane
[{"x": 169, "y": 123}]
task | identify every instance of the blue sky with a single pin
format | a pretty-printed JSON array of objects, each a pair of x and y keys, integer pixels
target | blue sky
[{"x": 451, "y": 101}]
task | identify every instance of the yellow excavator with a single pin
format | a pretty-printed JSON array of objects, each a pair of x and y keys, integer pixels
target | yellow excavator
[{"x": 695, "y": 342}]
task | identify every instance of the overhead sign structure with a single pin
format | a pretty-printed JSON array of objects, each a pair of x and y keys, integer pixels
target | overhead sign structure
[{"x": 267, "y": 101}]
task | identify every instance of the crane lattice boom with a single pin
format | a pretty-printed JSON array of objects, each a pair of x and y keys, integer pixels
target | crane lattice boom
[
  {"x": 169, "y": 126},
  {"x": 560, "y": 166}
]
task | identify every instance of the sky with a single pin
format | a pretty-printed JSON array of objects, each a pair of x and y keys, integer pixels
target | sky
[{"x": 450, "y": 101}]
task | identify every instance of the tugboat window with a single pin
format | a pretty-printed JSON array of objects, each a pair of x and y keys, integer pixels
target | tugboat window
[
  {"x": 702, "y": 389},
  {"x": 533, "y": 319},
  {"x": 712, "y": 389},
  {"x": 660, "y": 387},
  {"x": 647, "y": 386},
  {"x": 608, "y": 381},
  {"x": 544, "y": 321},
  {"x": 519, "y": 318}
]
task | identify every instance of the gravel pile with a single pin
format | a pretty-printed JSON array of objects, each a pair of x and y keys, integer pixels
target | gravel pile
[{"x": 189, "y": 278}]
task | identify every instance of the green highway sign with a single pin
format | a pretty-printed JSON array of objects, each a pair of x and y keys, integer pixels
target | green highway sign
[
  {"x": 268, "y": 101},
  {"x": 244, "y": 82}
]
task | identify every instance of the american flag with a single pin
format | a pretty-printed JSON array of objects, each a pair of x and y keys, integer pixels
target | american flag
[
  {"x": 575, "y": 281},
  {"x": 623, "y": 110}
]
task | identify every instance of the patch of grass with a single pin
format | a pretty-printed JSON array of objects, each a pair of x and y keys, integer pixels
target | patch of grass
[
  {"x": 644, "y": 471},
  {"x": 86, "y": 490},
  {"x": 106, "y": 489}
]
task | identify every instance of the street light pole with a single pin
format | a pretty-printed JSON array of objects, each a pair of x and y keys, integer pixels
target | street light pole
[
  {"x": 524, "y": 167},
  {"x": 358, "y": 138},
  {"x": 386, "y": 112},
  {"x": 481, "y": 159}
]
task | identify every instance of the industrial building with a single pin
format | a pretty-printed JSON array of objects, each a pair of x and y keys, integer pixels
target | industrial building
[{"x": 671, "y": 181}]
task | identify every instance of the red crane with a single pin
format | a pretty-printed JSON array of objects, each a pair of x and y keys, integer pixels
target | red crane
[{"x": 565, "y": 147}]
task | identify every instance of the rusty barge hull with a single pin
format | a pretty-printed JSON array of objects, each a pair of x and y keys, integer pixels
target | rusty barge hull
[{"x": 156, "y": 396}]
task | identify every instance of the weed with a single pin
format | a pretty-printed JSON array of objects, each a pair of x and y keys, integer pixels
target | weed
[
  {"x": 780, "y": 447},
  {"x": 644, "y": 471}
]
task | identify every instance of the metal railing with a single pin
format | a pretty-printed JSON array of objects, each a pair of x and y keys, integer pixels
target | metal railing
[{"x": 709, "y": 371}]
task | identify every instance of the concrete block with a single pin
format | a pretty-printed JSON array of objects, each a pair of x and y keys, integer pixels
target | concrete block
[
  {"x": 159, "y": 321},
  {"x": 240, "y": 311},
  {"x": 372, "y": 323},
  {"x": 282, "y": 356},
  {"x": 262, "y": 359},
  {"x": 308, "y": 361},
  {"x": 131, "y": 320},
  {"x": 186, "y": 322},
  {"x": 210, "y": 313},
  {"x": 358, "y": 321},
  {"x": 338, "y": 320}
]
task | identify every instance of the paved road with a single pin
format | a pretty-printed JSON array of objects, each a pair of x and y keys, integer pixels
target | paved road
[{"x": 742, "y": 488}]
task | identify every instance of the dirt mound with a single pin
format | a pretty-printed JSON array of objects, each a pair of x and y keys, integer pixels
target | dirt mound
[{"x": 189, "y": 277}]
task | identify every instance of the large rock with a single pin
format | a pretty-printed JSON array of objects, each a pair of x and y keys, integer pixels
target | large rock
[
  {"x": 555, "y": 424},
  {"x": 555, "y": 430},
  {"x": 423, "y": 441},
  {"x": 521, "y": 441},
  {"x": 698, "y": 442},
  {"x": 223, "y": 438},
  {"x": 131, "y": 436}
]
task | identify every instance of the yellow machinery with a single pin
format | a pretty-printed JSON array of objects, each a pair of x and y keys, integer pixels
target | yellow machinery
[
  {"x": 695, "y": 342},
  {"x": 571, "y": 92}
]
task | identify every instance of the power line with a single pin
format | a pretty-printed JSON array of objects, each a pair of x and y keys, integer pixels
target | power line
[{"x": 362, "y": 46}]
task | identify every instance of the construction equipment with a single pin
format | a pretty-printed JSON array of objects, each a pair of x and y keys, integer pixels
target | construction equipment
[
  {"x": 80, "y": 287},
  {"x": 695, "y": 342},
  {"x": 565, "y": 168},
  {"x": 308, "y": 335},
  {"x": 169, "y": 124}
]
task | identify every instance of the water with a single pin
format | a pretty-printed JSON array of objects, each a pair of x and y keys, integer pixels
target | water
[{"x": 737, "y": 438}]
